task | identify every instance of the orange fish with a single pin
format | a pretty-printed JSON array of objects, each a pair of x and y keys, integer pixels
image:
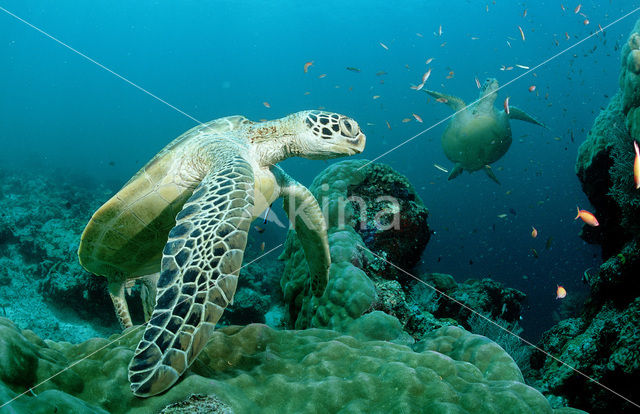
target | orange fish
[
  {"x": 306, "y": 66},
  {"x": 577, "y": 9},
  {"x": 428, "y": 61},
  {"x": 566, "y": 35},
  {"x": 478, "y": 83},
  {"x": 450, "y": 75},
  {"x": 532, "y": 88},
  {"x": 506, "y": 105},
  {"x": 586, "y": 22},
  {"x": 534, "y": 232},
  {"x": 266, "y": 104},
  {"x": 562, "y": 5},
  {"x": 524, "y": 13},
  {"x": 388, "y": 124},
  {"x": 426, "y": 76},
  {"x": 262, "y": 247},
  {"x": 636, "y": 166},
  {"x": 405, "y": 120},
  {"x": 560, "y": 292},
  {"x": 587, "y": 217},
  {"x": 322, "y": 76},
  {"x": 417, "y": 118},
  {"x": 521, "y": 33}
]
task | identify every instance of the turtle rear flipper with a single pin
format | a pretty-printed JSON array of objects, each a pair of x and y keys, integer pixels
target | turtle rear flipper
[
  {"x": 311, "y": 229},
  {"x": 457, "y": 170},
  {"x": 454, "y": 102},
  {"x": 198, "y": 276},
  {"x": 489, "y": 171},
  {"x": 519, "y": 114}
]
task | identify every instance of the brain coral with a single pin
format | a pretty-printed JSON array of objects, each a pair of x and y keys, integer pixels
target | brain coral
[{"x": 258, "y": 369}]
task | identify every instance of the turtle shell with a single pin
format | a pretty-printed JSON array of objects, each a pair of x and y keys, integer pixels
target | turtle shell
[{"x": 125, "y": 237}]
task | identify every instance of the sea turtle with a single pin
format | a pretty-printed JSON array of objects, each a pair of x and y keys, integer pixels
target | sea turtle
[
  {"x": 181, "y": 223},
  {"x": 479, "y": 134}
]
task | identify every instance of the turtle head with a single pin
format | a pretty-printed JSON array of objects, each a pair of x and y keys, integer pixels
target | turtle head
[
  {"x": 490, "y": 86},
  {"x": 324, "y": 135}
]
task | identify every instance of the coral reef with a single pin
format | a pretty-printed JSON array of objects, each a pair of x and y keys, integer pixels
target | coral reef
[
  {"x": 42, "y": 286},
  {"x": 373, "y": 216},
  {"x": 603, "y": 342},
  {"x": 253, "y": 368}
]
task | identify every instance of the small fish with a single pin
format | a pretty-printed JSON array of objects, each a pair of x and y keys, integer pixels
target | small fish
[
  {"x": 259, "y": 229},
  {"x": 475, "y": 38},
  {"x": 266, "y": 214},
  {"x": 636, "y": 165},
  {"x": 417, "y": 88},
  {"x": 534, "y": 252},
  {"x": 534, "y": 232},
  {"x": 524, "y": 13},
  {"x": 509, "y": 68},
  {"x": 405, "y": 120},
  {"x": 532, "y": 88},
  {"x": 426, "y": 76},
  {"x": 384, "y": 46},
  {"x": 352, "y": 69},
  {"x": 450, "y": 75},
  {"x": 266, "y": 104},
  {"x": 478, "y": 83},
  {"x": 560, "y": 292},
  {"x": 428, "y": 61},
  {"x": 307, "y": 93},
  {"x": 444, "y": 170},
  {"x": 380, "y": 73},
  {"x": 388, "y": 124},
  {"x": 262, "y": 247},
  {"x": 376, "y": 96},
  {"x": 566, "y": 34},
  {"x": 324, "y": 75},
  {"x": 508, "y": 43},
  {"x": 307, "y": 65},
  {"x": 506, "y": 105},
  {"x": 600, "y": 27},
  {"x": 419, "y": 35},
  {"x": 443, "y": 100},
  {"x": 562, "y": 5},
  {"x": 587, "y": 217},
  {"x": 503, "y": 215},
  {"x": 521, "y": 33},
  {"x": 440, "y": 30},
  {"x": 417, "y": 118},
  {"x": 586, "y": 22},
  {"x": 577, "y": 9},
  {"x": 522, "y": 66}
]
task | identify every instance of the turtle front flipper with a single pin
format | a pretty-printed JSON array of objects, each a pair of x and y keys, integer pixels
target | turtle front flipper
[
  {"x": 310, "y": 227},
  {"x": 198, "y": 276},
  {"x": 454, "y": 102},
  {"x": 457, "y": 170},
  {"x": 490, "y": 174},
  {"x": 519, "y": 114}
]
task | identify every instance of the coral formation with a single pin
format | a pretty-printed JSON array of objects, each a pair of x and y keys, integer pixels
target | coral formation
[
  {"x": 603, "y": 342},
  {"x": 250, "y": 369},
  {"x": 363, "y": 203}
]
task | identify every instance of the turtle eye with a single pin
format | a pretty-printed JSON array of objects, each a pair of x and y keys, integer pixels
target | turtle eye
[{"x": 348, "y": 127}]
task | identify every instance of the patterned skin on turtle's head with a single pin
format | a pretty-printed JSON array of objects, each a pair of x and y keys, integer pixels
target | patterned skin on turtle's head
[
  {"x": 490, "y": 86},
  {"x": 329, "y": 135}
]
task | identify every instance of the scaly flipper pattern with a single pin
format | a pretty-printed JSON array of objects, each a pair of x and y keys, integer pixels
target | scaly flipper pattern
[{"x": 198, "y": 277}]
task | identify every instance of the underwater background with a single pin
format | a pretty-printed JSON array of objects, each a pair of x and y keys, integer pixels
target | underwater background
[{"x": 68, "y": 120}]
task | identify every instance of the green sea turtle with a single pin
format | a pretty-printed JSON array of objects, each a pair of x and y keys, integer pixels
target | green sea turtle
[
  {"x": 478, "y": 135},
  {"x": 181, "y": 223}
]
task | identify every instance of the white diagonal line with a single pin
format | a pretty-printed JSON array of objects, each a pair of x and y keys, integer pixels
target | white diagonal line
[
  {"x": 501, "y": 327},
  {"x": 137, "y": 328},
  {"x": 503, "y": 86},
  {"x": 100, "y": 65}
]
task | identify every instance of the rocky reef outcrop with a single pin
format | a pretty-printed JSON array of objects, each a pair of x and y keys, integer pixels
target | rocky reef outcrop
[{"x": 603, "y": 343}]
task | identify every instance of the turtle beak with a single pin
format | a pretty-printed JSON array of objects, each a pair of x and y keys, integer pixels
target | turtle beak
[{"x": 357, "y": 143}]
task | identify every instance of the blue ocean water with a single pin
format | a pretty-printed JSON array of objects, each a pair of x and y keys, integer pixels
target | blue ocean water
[{"x": 64, "y": 114}]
